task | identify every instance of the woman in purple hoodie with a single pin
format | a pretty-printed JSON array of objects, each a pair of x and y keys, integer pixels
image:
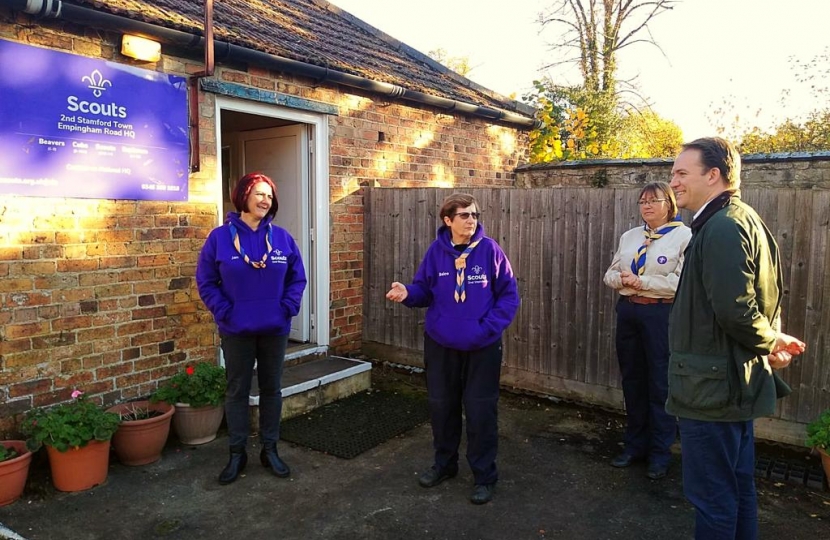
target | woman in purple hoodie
[
  {"x": 250, "y": 276},
  {"x": 466, "y": 284}
]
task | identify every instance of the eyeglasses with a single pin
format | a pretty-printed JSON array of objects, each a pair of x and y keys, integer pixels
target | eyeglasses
[
  {"x": 466, "y": 215},
  {"x": 651, "y": 202}
]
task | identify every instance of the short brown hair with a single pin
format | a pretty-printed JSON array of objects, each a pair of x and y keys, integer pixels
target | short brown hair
[
  {"x": 243, "y": 189},
  {"x": 663, "y": 191},
  {"x": 717, "y": 153},
  {"x": 456, "y": 201}
]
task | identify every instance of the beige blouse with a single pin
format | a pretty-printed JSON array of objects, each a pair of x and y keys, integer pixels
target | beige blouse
[{"x": 664, "y": 262}]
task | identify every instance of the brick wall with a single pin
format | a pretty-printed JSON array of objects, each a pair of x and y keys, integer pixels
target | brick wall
[
  {"x": 97, "y": 295},
  {"x": 100, "y": 295}
]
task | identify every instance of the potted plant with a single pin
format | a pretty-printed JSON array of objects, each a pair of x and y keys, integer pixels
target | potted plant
[
  {"x": 15, "y": 459},
  {"x": 198, "y": 393},
  {"x": 143, "y": 431},
  {"x": 818, "y": 437},
  {"x": 77, "y": 440}
]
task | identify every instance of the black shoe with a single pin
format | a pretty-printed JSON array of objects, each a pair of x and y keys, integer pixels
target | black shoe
[
  {"x": 236, "y": 464},
  {"x": 482, "y": 494},
  {"x": 435, "y": 476},
  {"x": 657, "y": 471},
  {"x": 624, "y": 460},
  {"x": 271, "y": 460}
]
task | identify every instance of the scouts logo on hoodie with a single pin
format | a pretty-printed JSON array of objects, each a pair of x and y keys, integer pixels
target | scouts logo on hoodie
[
  {"x": 278, "y": 257},
  {"x": 477, "y": 277}
]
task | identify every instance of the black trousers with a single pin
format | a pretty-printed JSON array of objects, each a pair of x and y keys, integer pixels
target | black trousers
[
  {"x": 241, "y": 352},
  {"x": 472, "y": 378}
]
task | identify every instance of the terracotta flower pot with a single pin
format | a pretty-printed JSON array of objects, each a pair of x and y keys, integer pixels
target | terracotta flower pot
[
  {"x": 139, "y": 442},
  {"x": 825, "y": 463},
  {"x": 13, "y": 472},
  {"x": 80, "y": 468},
  {"x": 197, "y": 425}
]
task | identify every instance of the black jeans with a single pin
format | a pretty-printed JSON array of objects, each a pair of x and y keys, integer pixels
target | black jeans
[{"x": 240, "y": 354}]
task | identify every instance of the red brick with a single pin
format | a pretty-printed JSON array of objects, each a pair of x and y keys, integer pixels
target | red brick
[
  {"x": 28, "y": 358},
  {"x": 113, "y": 371}
]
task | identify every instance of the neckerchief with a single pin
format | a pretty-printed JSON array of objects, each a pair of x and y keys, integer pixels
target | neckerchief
[
  {"x": 460, "y": 265},
  {"x": 638, "y": 263},
  {"x": 241, "y": 250},
  {"x": 715, "y": 205}
]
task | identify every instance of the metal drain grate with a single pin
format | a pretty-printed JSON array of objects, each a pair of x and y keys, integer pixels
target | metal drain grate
[
  {"x": 350, "y": 426},
  {"x": 779, "y": 470}
]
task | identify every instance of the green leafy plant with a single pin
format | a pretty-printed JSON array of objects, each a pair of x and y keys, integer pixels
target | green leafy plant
[
  {"x": 818, "y": 432},
  {"x": 70, "y": 425},
  {"x": 7, "y": 453},
  {"x": 198, "y": 386}
]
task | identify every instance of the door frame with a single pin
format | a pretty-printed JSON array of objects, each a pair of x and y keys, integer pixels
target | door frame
[{"x": 319, "y": 267}]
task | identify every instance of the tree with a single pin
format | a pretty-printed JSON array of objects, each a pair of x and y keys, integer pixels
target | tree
[
  {"x": 578, "y": 124},
  {"x": 810, "y": 134},
  {"x": 459, "y": 64},
  {"x": 646, "y": 134},
  {"x": 591, "y": 119},
  {"x": 596, "y": 31}
]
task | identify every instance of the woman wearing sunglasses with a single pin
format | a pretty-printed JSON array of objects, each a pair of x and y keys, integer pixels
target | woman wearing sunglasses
[{"x": 467, "y": 285}]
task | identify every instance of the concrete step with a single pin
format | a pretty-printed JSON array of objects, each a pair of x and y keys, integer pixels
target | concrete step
[{"x": 313, "y": 384}]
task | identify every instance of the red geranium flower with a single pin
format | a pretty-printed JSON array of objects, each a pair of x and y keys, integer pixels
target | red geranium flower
[{"x": 189, "y": 370}]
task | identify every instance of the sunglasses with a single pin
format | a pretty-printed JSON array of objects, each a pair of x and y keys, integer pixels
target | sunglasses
[{"x": 466, "y": 215}]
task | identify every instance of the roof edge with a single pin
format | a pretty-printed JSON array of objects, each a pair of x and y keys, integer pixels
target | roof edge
[{"x": 517, "y": 106}]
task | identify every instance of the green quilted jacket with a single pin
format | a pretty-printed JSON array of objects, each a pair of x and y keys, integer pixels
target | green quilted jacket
[{"x": 725, "y": 318}]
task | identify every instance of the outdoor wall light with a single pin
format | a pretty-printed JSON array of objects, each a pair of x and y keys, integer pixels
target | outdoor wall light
[{"x": 143, "y": 49}]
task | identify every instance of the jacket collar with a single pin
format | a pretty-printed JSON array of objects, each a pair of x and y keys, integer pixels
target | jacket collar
[{"x": 715, "y": 205}]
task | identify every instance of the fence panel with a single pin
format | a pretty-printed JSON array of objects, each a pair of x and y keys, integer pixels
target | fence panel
[{"x": 560, "y": 242}]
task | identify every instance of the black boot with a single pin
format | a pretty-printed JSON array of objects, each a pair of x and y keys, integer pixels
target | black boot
[
  {"x": 236, "y": 464},
  {"x": 271, "y": 460}
]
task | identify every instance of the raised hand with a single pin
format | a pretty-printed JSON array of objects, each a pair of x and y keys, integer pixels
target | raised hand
[{"x": 397, "y": 293}]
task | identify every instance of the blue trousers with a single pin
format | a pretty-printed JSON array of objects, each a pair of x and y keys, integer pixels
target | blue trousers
[
  {"x": 643, "y": 353},
  {"x": 718, "y": 478},
  {"x": 472, "y": 378},
  {"x": 241, "y": 352}
]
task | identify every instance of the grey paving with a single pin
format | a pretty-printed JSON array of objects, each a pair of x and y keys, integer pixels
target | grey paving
[{"x": 555, "y": 483}]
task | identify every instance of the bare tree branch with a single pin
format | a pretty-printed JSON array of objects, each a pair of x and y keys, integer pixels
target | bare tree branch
[{"x": 601, "y": 28}]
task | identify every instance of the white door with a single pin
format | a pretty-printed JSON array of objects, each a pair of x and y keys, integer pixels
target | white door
[{"x": 282, "y": 155}]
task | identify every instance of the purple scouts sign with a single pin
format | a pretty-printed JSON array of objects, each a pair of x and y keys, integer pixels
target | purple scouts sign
[{"x": 72, "y": 126}]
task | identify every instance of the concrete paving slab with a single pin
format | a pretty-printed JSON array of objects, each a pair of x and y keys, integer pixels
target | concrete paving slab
[{"x": 555, "y": 482}]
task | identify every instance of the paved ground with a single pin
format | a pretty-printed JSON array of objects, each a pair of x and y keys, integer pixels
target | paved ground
[{"x": 555, "y": 483}]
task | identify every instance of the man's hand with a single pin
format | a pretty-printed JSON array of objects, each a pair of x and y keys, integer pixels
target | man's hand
[
  {"x": 779, "y": 360},
  {"x": 786, "y": 346},
  {"x": 788, "y": 343},
  {"x": 397, "y": 293}
]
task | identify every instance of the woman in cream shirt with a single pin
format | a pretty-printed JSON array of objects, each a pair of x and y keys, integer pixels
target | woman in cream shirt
[{"x": 645, "y": 271}]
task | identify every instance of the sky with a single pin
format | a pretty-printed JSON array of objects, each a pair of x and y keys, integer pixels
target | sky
[{"x": 712, "y": 52}]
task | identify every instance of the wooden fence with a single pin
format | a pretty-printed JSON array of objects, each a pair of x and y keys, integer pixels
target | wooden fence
[{"x": 560, "y": 241}]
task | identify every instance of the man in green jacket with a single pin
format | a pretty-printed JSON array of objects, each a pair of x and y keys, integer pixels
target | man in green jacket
[{"x": 725, "y": 340}]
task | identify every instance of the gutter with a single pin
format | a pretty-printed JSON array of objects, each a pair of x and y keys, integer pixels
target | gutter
[{"x": 227, "y": 52}]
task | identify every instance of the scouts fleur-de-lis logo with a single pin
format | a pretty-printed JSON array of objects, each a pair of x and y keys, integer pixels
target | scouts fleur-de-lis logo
[{"x": 97, "y": 82}]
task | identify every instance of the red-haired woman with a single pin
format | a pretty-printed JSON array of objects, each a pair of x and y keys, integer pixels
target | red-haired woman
[{"x": 251, "y": 277}]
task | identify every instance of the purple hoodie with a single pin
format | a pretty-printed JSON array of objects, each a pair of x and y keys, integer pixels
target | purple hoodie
[
  {"x": 245, "y": 300},
  {"x": 492, "y": 295}
]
